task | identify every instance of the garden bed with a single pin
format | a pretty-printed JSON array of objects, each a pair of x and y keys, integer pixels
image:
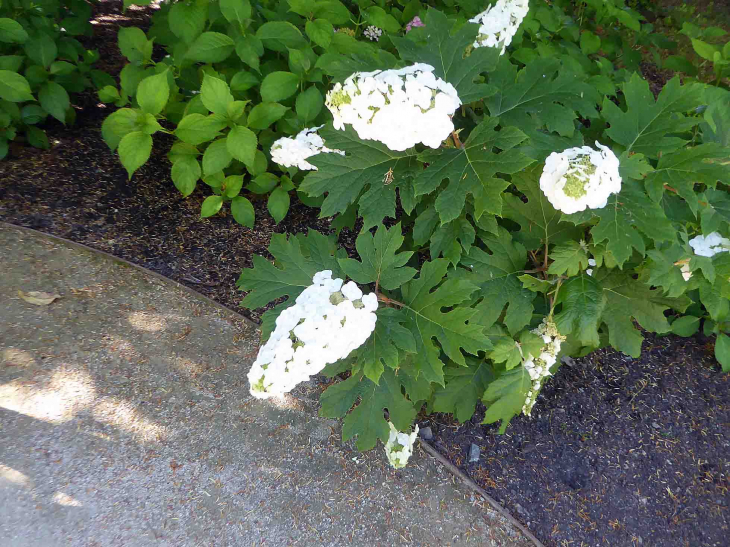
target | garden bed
[{"x": 620, "y": 451}]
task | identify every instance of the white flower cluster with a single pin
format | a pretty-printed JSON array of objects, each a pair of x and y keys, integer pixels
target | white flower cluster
[
  {"x": 399, "y": 108},
  {"x": 580, "y": 177},
  {"x": 498, "y": 24},
  {"x": 539, "y": 367},
  {"x": 710, "y": 245},
  {"x": 373, "y": 33},
  {"x": 327, "y": 322},
  {"x": 399, "y": 447},
  {"x": 288, "y": 152}
]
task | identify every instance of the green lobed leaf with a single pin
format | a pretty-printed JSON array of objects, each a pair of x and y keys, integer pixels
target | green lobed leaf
[
  {"x": 464, "y": 388},
  {"x": 424, "y": 298},
  {"x": 363, "y": 169},
  {"x": 647, "y": 124},
  {"x": 381, "y": 263},
  {"x": 570, "y": 257},
  {"x": 542, "y": 93},
  {"x": 367, "y": 422},
  {"x": 472, "y": 169},
  {"x": 583, "y": 302},
  {"x": 446, "y": 53},
  {"x": 506, "y": 396},
  {"x": 385, "y": 346},
  {"x": 297, "y": 260},
  {"x": 497, "y": 276}
]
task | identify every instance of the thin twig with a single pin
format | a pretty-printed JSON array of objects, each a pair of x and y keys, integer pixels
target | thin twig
[{"x": 386, "y": 300}]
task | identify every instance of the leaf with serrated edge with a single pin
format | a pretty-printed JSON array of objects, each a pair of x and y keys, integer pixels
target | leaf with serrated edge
[
  {"x": 582, "y": 302},
  {"x": 497, "y": 275},
  {"x": 366, "y": 419},
  {"x": 381, "y": 263},
  {"x": 381, "y": 348},
  {"x": 464, "y": 388},
  {"x": 297, "y": 260},
  {"x": 453, "y": 329},
  {"x": 570, "y": 257},
  {"x": 445, "y": 52},
  {"x": 472, "y": 169},
  {"x": 344, "y": 178},
  {"x": 506, "y": 396}
]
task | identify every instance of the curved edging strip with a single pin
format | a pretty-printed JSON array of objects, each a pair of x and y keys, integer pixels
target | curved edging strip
[
  {"x": 479, "y": 490},
  {"x": 424, "y": 445}
]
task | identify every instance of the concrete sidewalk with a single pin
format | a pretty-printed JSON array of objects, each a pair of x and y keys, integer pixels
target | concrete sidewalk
[{"x": 125, "y": 420}]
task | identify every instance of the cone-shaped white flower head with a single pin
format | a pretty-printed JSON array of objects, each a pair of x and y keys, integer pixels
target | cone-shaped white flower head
[
  {"x": 399, "y": 108},
  {"x": 580, "y": 178},
  {"x": 399, "y": 447},
  {"x": 294, "y": 152},
  {"x": 498, "y": 24},
  {"x": 539, "y": 367},
  {"x": 710, "y": 245},
  {"x": 327, "y": 322}
]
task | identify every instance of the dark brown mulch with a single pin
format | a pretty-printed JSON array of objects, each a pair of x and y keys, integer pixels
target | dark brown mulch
[{"x": 620, "y": 451}]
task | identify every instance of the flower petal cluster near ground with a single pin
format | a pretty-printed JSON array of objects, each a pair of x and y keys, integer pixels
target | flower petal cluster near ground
[{"x": 289, "y": 152}]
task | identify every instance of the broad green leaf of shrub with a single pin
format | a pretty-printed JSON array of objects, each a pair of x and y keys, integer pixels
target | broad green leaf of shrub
[
  {"x": 280, "y": 36},
  {"x": 472, "y": 169},
  {"x": 386, "y": 344},
  {"x": 464, "y": 387},
  {"x": 646, "y": 125},
  {"x": 55, "y": 100},
  {"x": 505, "y": 397},
  {"x": 509, "y": 351},
  {"x": 570, "y": 257},
  {"x": 134, "y": 150},
  {"x": 380, "y": 262},
  {"x": 211, "y": 47},
  {"x": 452, "y": 240},
  {"x": 716, "y": 124},
  {"x": 338, "y": 398},
  {"x": 134, "y": 45},
  {"x": 497, "y": 276},
  {"x": 249, "y": 49},
  {"x": 377, "y": 16},
  {"x": 12, "y": 32},
  {"x": 445, "y": 52},
  {"x": 216, "y": 95},
  {"x": 582, "y": 302},
  {"x": 627, "y": 298},
  {"x": 197, "y": 129},
  {"x": 722, "y": 351},
  {"x": 41, "y": 49},
  {"x": 297, "y": 260},
  {"x": 540, "y": 223},
  {"x": 185, "y": 174},
  {"x": 686, "y": 326},
  {"x": 309, "y": 104},
  {"x": 320, "y": 31},
  {"x": 14, "y": 88},
  {"x": 684, "y": 168},
  {"x": 278, "y": 86},
  {"x": 333, "y": 11},
  {"x": 153, "y": 93},
  {"x": 211, "y": 205},
  {"x": 264, "y": 114},
  {"x": 623, "y": 218},
  {"x": 242, "y": 144},
  {"x": 187, "y": 19},
  {"x": 589, "y": 42},
  {"x": 366, "y": 420},
  {"x": 235, "y": 10},
  {"x": 363, "y": 169},
  {"x": 216, "y": 157},
  {"x": 542, "y": 93},
  {"x": 660, "y": 269},
  {"x": 243, "y": 211},
  {"x": 425, "y": 297},
  {"x": 278, "y": 204}
]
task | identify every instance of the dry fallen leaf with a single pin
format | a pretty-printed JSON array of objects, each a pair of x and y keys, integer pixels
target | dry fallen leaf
[{"x": 38, "y": 298}]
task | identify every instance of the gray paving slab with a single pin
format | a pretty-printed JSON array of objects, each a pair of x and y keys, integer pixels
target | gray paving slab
[{"x": 125, "y": 420}]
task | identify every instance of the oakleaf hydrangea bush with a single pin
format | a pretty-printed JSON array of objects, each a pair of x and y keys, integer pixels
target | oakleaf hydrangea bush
[{"x": 517, "y": 202}]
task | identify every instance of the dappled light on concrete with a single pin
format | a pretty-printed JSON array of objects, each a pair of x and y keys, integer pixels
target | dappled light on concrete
[
  {"x": 63, "y": 499},
  {"x": 13, "y": 476},
  {"x": 123, "y": 415},
  {"x": 65, "y": 394},
  {"x": 13, "y": 357},
  {"x": 147, "y": 321}
]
